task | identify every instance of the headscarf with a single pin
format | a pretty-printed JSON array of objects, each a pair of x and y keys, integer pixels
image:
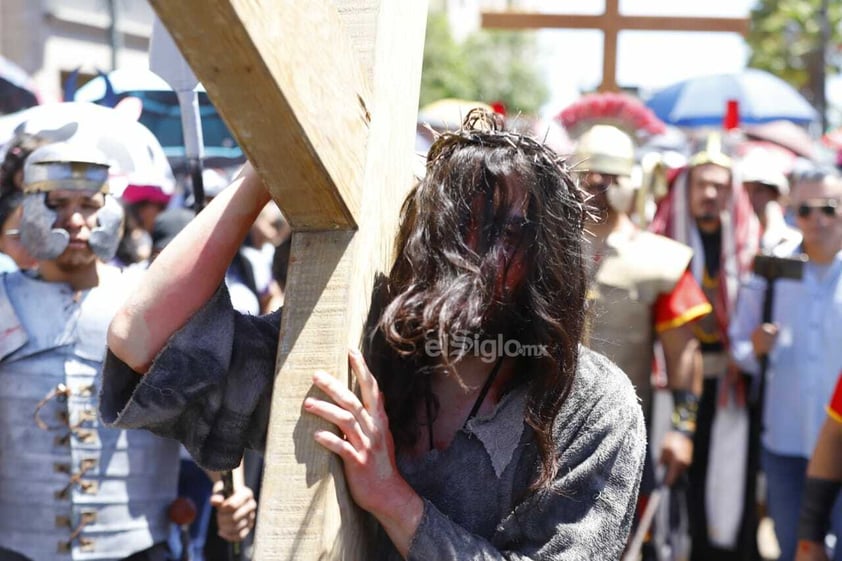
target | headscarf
[{"x": 740, "y": 235}]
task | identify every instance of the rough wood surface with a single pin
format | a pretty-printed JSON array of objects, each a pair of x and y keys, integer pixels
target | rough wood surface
[
  {"x": 285, "y": 77},
  {"x": 343, "y": 223}
]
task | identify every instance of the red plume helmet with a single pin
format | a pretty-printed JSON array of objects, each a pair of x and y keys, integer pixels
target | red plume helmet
[{"x": 616, "y": 109}]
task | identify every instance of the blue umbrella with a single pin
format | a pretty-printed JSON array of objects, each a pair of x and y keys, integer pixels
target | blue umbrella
[
  {"x": 161, "y": 115},
  {"x": 701, "y": 101}
]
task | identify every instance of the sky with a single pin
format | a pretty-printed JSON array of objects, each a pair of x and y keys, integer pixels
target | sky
[{"x": 572, "y": 59}]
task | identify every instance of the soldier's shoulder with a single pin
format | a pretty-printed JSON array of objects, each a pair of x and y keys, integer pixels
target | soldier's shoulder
[{"x": 660, "y": 243}]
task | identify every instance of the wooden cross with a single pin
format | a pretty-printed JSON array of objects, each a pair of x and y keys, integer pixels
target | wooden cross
[
  {"x": 611, "y": 22},
  {"x": 323, "y": 97}
]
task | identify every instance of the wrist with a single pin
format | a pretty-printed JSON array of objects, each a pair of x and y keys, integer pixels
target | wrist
[
  {"x": 684, "y": 412},
  {"x": 816, "y": 504},
  {"x": 253, "y": 185},
  {"x": 400, "y": 505},
  {"x": 401, "y": 517}
]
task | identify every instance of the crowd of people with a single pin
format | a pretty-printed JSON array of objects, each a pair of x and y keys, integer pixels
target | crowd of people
[
  {"x": 678, "y": 370},
  {"x": 752, "y": 373}
]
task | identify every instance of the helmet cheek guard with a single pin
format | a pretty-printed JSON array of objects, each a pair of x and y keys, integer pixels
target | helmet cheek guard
[
  {"x": 73, "y": 167},
  {"x": 620, "y": 194},
  {"x": 37, "y": 234},
  {"x": 105, "y": 237}
]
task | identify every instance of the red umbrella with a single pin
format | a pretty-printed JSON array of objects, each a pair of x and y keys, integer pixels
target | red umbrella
[{"x": 17, "y": 90}]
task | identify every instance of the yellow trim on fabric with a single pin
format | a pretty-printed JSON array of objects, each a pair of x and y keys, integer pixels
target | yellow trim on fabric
[
  {"x": 833, "y": 414},
  {"x": 705, "y": 337},
  {"x": 693, "y": 313}
]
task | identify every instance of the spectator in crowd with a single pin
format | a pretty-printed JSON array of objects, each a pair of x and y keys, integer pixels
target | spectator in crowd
[
  {"x": 801, "y": 346},
  {"x": 768, "y": 190},
  {"x": 708, "y": 210}
]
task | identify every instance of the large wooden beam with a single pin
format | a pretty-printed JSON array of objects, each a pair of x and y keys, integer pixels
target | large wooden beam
[
  {"x": 530, "y": 20},
  {"x": 285, "y": 76},
  {"x": 611, "y": 22},
  {"x": 331, "y": 275},
  {"x": 305, "y": 512}
]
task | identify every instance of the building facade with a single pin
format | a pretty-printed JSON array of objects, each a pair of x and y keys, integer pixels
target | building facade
[{"x": 49, "y": 39}]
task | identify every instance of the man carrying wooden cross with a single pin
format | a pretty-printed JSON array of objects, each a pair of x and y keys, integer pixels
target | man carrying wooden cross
[{"x": 483, "y": 429}]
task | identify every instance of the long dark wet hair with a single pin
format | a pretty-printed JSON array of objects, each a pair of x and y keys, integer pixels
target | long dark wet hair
[{"x": 440, "y": 285}]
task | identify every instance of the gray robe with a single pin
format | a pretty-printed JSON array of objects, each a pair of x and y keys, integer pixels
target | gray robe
[{"x": 210, "y": 388}]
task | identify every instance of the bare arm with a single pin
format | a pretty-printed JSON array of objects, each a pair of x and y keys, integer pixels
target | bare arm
[
  {"x": 826, "y": 462},
  {"x": 684, "y": 374},
  {"x": 186, "y": 273},
  {"x": 683, "y": 358}
]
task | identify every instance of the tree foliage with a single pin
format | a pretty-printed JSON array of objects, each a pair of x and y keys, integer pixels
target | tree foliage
[
  {"x": 785, "y": 39},
  {"x": 489, "y": 66}
]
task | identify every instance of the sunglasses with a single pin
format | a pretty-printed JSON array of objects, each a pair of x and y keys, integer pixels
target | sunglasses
[{"x": 828, "y": 208}]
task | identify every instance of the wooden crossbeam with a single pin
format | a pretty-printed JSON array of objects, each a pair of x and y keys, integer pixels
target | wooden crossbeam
[
  {"x": 611, "y": 22},
  {"x": 311, "y": 157},
  {"x": 331, "y": 129}
]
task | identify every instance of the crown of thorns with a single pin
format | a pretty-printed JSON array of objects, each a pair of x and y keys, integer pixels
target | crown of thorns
[{"x": 485, "y": 128}]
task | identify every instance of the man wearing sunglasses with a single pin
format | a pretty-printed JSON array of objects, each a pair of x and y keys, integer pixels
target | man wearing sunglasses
[{"x": 802, "y": 345}]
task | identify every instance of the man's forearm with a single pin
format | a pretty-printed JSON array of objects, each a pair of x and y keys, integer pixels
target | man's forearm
[
  {"x": 684, "y": 376},
  {"x": 185, "y": 275},
  {"x": 826, "y": 462},
  {"x": 683, "y": 359}
]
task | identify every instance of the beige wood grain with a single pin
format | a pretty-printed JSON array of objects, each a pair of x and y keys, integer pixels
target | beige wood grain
[
  {"x": 323, "y": 97},
  {"x": 360, "y": 20},
  {"x": 528, "y": 20},
  {"x": 329, "y": 286},
  {"x": 300, "y": 500},
  {"x": 285, "y": 76},
  {"x": 611, "y": 22}
]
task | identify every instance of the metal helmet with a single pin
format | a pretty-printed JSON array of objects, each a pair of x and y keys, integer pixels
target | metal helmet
[
  {"x": 608, "y": 150},
  {"x": 66, "y": 166},
  {"x": 712, "y": 153},
  {"x": 62, "y": 165},
  {"x": 605, "y": 149}
]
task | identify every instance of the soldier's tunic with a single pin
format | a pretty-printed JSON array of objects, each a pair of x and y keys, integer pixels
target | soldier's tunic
[
  {"x": 69, "y": 487},
  {"x": 640, "y": 287}
]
